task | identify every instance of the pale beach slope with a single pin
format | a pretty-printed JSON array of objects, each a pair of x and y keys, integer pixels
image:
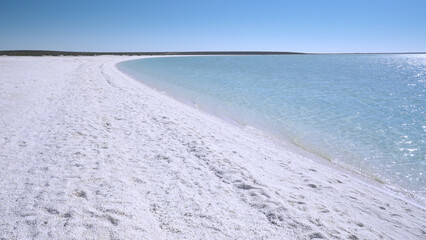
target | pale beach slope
[{"x": 89, "y": 153}]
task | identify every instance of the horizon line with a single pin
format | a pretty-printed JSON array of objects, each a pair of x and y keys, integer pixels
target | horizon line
[{"x": 90, "y": 53}]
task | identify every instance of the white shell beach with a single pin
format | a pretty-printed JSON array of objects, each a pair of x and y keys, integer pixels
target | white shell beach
[{"x": 87, "y": 152}]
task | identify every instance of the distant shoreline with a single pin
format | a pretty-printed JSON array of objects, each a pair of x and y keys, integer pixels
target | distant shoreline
[{"x": 72, "y": 53}]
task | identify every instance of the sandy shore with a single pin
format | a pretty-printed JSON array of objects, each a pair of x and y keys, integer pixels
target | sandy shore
[{"x": 89, "y": 153}]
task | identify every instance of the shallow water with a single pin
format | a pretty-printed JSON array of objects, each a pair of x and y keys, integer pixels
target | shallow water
[{"x": 365, "y": 112}]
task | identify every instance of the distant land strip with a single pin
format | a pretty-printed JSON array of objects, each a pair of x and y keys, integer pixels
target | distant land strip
[
  {"x": 71, "y": 53},
  {"x": 67, "y": 53}
]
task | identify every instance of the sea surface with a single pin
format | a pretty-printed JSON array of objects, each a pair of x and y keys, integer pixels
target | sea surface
[{"x": 363, "y": 112}]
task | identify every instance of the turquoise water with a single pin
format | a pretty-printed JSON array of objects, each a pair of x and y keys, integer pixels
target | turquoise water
[{"x": 365, "y": 112}]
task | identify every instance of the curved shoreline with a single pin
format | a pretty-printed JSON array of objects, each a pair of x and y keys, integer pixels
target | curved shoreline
[
  {"x": 366, "y": 177},
  {"x": 87, "y": 152}
]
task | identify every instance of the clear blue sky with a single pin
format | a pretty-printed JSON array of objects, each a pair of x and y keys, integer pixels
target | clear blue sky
[{"x": 197, "y": 25}]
